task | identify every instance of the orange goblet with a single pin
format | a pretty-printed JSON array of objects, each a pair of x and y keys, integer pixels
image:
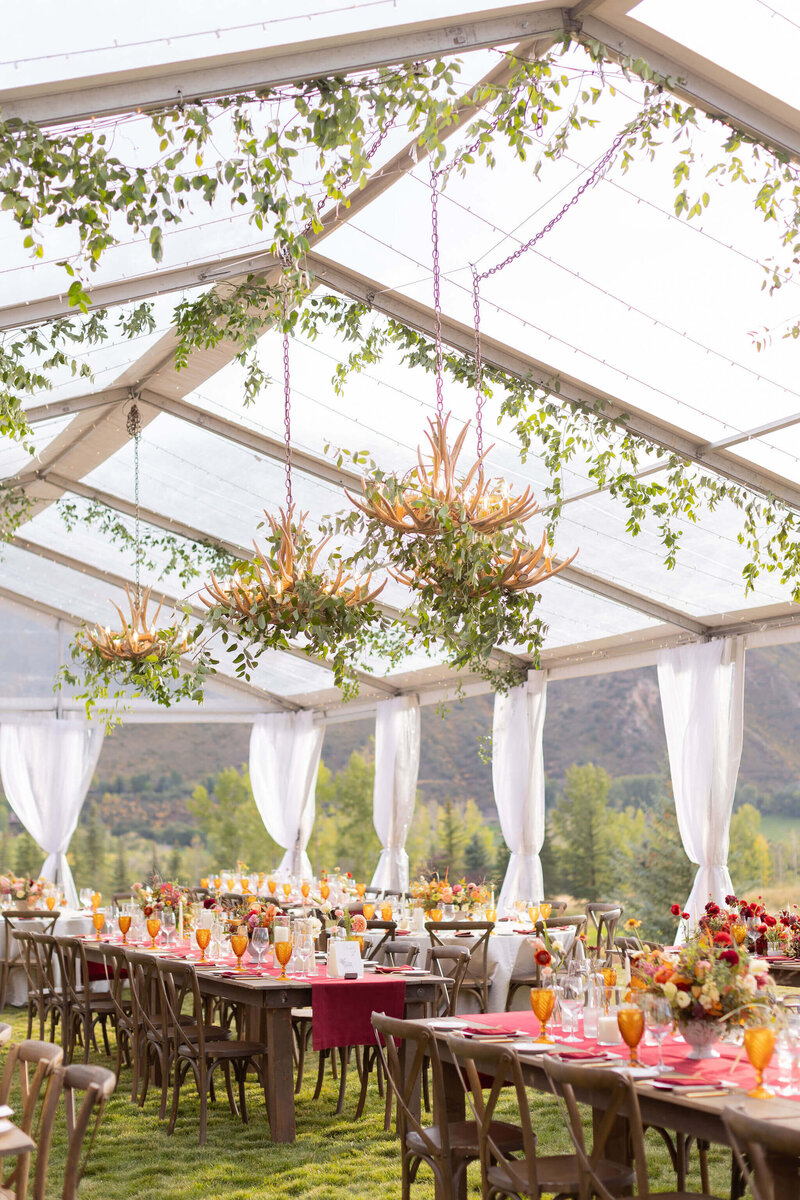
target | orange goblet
[
  {"x": 238, "y": 946},
  {"x": 369, "y": 911},
  {"x": 50, "y": 901},
  {"x": 305, "y": 888},
  {"x": 287, "y": 890},
  {"x": 283, "y": 952},
  {"x": 630, "y": 1020},
  {"x": 324, "y": 890},
  {"x": 542, "y": 1003},
  {"x": 96, "y": 898},
  {"x": 759, "y": 1044},
  {"x": 271, "y": 884},
  {"x": 217, "y": 882},
  {"x": 435, "y": 914},
  {"x": 545, "y": 910},
  {"x": 361, "y": 888},
  {"x": 386, "y": 911},
  {"x": 202, "y": 937},
  {"x": 124, "y": 922},
  {"x": 203, "y": 883},
  {"x": 245, "y": 885},
  {"x": 153, "y": 927},
  {"x": 99, "y": 920}
]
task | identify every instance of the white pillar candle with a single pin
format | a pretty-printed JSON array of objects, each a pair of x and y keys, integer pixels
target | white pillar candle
[
  {"x": 627, "y": 969},
  {"x": 608, "y": 1029},
  {"x": 180, "y": 921},
  {"x": 280, "y": 934}
]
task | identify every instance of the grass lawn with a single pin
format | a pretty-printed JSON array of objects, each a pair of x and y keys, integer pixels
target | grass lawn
[{"x": 334, "y": 1158}]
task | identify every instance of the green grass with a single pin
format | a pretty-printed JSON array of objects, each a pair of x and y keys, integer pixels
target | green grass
[{"x": 334, "y": 1158}]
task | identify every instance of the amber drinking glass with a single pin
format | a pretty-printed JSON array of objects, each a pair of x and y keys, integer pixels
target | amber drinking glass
[
  {"x": 305, "y": 889},
  {"x": 610, "y": 980},
  {"x": 124, "y": 922},
  {"x": 245, "y": 888},
  {"x": 435, "y": 914},
  {"x": 238, "y": 946},
  {"x": 99, "y": 920},
  {"x": 283, "y": 952},
  {"x": 202, "y": 937},
  {"x": 759, "y": 1044},
  {"x": 287, "y": 890},
  {"x": 739, "y": 931},
  {"x": 542, "y": 1002},
  {"x": 203, "y": 883},
  {"x": 324, "y": 890},
  {"x": 386, "y": 911},
  {"x": 271, "y": 884},
  {"x": 153, "y": 926},
  {"x": 96, "y": 898},
  {"x": 545, "y": 910},
  {"x": 50, "y": 901},
  {"x": 361, "y": 888},
  {"x": 217, "y": 882},
  {"x": 369, "y": 911},
  {"x": 533, "y": 913},
  {"x": 630, "y": 1020}
]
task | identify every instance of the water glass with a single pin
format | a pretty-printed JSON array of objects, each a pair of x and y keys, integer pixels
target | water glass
[
  {"x": 659, "y": 1020},
  {"x": 571, "y": 1005},
  {"x": 259, "y": 943}
]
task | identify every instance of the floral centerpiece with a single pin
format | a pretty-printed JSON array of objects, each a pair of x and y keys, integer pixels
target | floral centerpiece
[
  {"x": 711, "y": 981},
  {"x": 15, "y": 887},
  {"x": 434, "y": 893},
  {"x": 252, "y": 914},
  {"x": 157, "y": 895}
]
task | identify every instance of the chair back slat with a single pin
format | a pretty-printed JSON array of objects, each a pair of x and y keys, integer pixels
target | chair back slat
[
  {"x": 756, "y": 1143},
  {"x": 97, "y": 1084},
  {"x": 405, "y": 1076},
  {"x": 399, "y": 953},
  {"x": 177, "y": 983},
  {"x": 46, "y": 1060},
  {"x": 456, "y": 959},
  {"x": 475, "y": 1061},
  {"x": 477, "y": 974},
  {"x": 389, "y": 929}
]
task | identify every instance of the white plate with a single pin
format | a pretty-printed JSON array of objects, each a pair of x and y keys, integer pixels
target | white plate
[
  {"x": 6, "y": 1111},
  {"x": 6, "y": 1127},
  {"x": 533, "y": 1048}
]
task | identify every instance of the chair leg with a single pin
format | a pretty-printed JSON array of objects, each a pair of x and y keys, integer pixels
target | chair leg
[
  {"x": 344, "y": 1062},
  {"x": 176, "y": 1095},
  {"x": 4, "y": 984},
  {"x": 241, "y": 1074},
  {"x": 202, "y": 1084},
  {"x": 323, "y": 1054},
  {"x": 702, "y": 1153},
  {"x": 104, "y": 1026},
  {"x": 302, "y": 1041},
  {"x": 165, "y": 1060},
  {"x": 226, "y": 1071}
]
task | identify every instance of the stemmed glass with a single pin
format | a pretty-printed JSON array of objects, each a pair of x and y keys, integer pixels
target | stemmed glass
[
  {"x": 759, "y": 1044},
  {"x": 99, "y": 920},
  {"x": 542, "y": 1002},
  {"x": 658, "y": 1016},
  {"x": 153, "y": 927},
  {"x": 202, "y": 936},
  {"x": 168, "y": 924},
  {"x": 85, "y": 897},
  {"x": 630, "y": 1020},
  {"x": 124, "y": 922},
  {"x": 259, "y": 943},
  {"x": 571, "y": 1004},
  {"x": 238, "y": 946},
  {"x": 287, "y": 890}
]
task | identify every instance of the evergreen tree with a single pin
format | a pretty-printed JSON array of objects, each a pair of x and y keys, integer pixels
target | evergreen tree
[
  {"x": 583, "y": 834},
  {"x": 351, "y": 804},
  {"x": 122, "y": 879},
  {"x": 477, "y": 859},
  {"x": 657, "y": 873},
  {"x": 452, "y": 838},
  {"x": 28, "y": 856},
  {"x": 226, "y": 814},
  {"x": 174, "y": 863}
]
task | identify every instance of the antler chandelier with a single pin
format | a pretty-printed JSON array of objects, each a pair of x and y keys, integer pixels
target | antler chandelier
[
  {"x": 139, "y": 639},
  {"x": 271, "y": 587},
  {"x": 285, "y": 587}
]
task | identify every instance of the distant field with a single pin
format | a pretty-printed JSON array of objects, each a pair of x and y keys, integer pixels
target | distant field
[{"x": 780, "y": 829}]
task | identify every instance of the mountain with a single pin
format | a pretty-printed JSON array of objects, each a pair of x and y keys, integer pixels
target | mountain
[{"x": 612, "y": 720}]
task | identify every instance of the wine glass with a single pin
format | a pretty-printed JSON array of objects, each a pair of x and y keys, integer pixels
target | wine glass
[
  {"x": 571, "y": 1004},
  {"x": 124, "y": 922},
  {"x": 658, "y": 1016},
  {"x": 360, "y": 889},
  {"x": 260, "y": 942},
  {"x": 283, "y": 952},
  {"x": 272, "y": 884},
  {"x": 238, "y": 946},
  {"x": 99, "y": 920},
  {"x": 96, "y": 898},
  {"x": 368, "y": 911},
  {"x": 85, "y": 897},
  {"x": 542, "y": 1002},
  {"x": 153, "y": 927},
  {"x": 759, "y": 1044},
  {"x": 305, "y": 889},
  {"x": 324, "y": 890},
  {"x": 533, "y": 913},
  {"x": 168, "y": 924},
  {"x": 630, "y": 1020},
  {"x": 287, "y": 890}
]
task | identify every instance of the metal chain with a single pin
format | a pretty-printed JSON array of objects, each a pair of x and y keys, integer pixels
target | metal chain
[
  {"x": 133, "y": 425},
  {"x": 348, "y": 179},
  {"x": 437, "y": 298},
  {"x": 479, "y": 276},
  {"x": 287, "y": 420}
]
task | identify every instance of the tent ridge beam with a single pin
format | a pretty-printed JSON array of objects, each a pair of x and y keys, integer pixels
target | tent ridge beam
[{"x": 157, "y": 86}]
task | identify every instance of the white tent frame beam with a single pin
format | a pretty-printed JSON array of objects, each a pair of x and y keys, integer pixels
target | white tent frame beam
[
  {"x": 522, "y": 366},
  {"x": 157, "y": 86}
]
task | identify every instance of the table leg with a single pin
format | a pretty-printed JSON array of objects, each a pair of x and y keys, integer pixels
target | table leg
[
  {"x": 454, "y": 1110},
  {"x": 278, "y": 1074},
  {"x": 618, "y": 1142}
]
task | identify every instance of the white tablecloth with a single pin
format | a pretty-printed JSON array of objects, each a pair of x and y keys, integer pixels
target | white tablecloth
[
  {"x": 507, "y": 953},
  {"x": 71, "y": 922}
]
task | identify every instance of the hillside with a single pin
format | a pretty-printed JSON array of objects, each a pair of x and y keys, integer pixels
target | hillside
[{"x": 613, "y": 721}]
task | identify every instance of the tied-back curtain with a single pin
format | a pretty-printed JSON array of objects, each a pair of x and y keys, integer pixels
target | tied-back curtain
[
  {"x": 702, "y": 696},
  {"x": 518, "y": 778},
  {"x": 284, "y": 760},
  {"x": 47, "y": 768},
  {"x": 396, "y": 768}
]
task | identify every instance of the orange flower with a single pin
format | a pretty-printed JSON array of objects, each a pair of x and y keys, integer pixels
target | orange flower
[{"x": 663, "y": 975}]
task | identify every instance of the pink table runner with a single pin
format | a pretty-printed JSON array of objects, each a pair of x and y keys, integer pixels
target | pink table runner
[{"x": 732, "y": 1065}]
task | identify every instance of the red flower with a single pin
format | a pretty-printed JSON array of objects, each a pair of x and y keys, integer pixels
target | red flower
[
  {"x": 723, "y": 939},
  {"x": 729, "y": 956},
  {"x": 769, "y": 921},
  {"x": 148, "y": 910},
  {"x": 685, "y": 916},
  {"x": 731, "y": 900},
  {"x": 676, "y": 910},
  {"x": 543, "y": 958},
  {"x": 762, "y": 928}
]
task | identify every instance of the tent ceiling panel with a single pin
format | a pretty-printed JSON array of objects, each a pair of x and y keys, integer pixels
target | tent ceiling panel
[{"x": 30, "y": 642}]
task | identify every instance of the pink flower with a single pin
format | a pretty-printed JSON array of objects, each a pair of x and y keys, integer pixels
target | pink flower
[{"x": 359, "y": 924}]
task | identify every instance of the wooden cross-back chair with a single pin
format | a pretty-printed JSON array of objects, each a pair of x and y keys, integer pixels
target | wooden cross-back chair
[
  {"x": 477, "y": 979},
  {"x": 16, "y": 919}
]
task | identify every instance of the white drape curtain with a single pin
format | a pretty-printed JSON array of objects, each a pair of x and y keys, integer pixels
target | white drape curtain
[
  {"x": 47, "y": 769},
  {"x": 284, "y": 760},
  {"x": 702, "y": 696},
  {"x": 397, "y": 737},
  {"x": 518, "y": 778}
]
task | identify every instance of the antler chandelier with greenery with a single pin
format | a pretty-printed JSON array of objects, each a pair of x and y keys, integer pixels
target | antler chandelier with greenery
[{"x": 286, "y": 596}]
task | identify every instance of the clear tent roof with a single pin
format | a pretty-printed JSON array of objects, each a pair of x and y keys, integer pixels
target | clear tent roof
[{"x": 622, "y": 296}]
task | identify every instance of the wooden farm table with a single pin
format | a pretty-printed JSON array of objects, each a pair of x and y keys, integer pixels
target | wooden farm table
[
  {"x": 785, "y": 972},
  {"x": 270, "y": 1002},
  {"x": 699, "y": 1118}
]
